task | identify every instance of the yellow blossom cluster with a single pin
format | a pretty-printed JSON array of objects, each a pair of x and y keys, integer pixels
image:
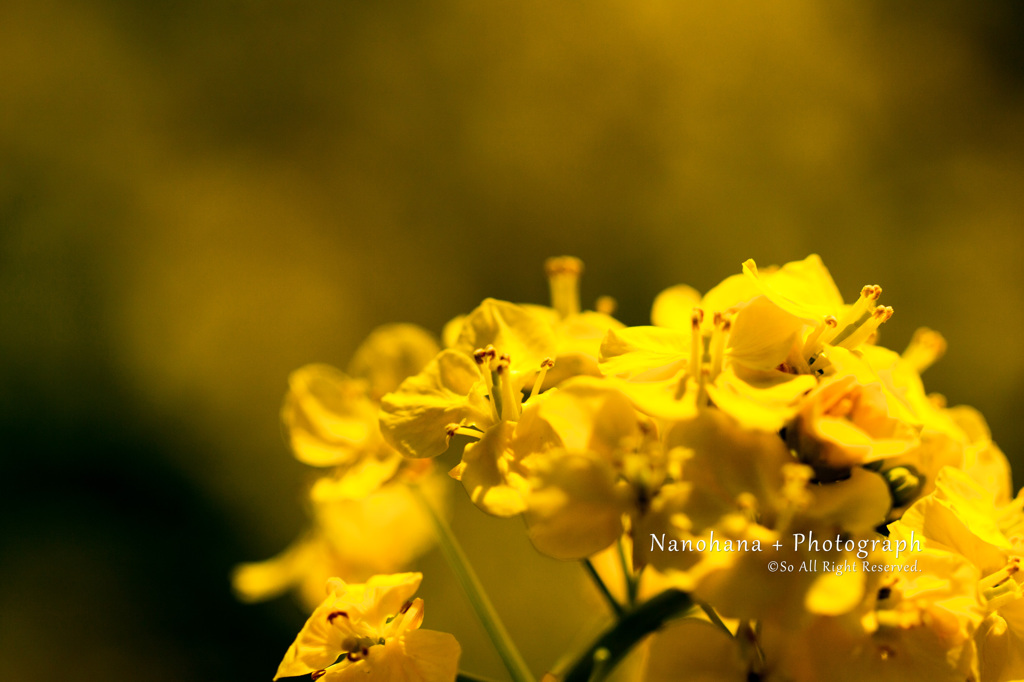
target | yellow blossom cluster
[{"x": 680, "y": 458}]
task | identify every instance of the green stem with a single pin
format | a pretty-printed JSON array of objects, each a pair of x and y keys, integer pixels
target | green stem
[
  {"x": 612, "y": 601},
  {"x": 632, "y": 584},
  {"x": 474, "y": 591},
  {"x": 469, "y": 677},
  {"x": 618, "y": 640}
]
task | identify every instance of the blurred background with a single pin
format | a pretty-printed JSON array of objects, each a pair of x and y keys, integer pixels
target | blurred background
[{"x": 197, "y": 198}]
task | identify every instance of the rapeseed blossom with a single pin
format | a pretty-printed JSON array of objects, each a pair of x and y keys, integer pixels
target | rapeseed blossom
[
  {"x": 371, "y": 632},
  {"x": 677, "y": 461}
]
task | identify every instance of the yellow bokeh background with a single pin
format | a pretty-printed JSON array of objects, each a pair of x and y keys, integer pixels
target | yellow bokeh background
[{"x": 197, "y": 198}]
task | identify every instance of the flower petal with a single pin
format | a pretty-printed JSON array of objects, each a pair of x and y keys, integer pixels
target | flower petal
[
  {"x": 390, "y": 354},
  {"x": 575, "y": 506},
  {"x": 414, "y": 419},
  {"x": 645, "y": 353}
]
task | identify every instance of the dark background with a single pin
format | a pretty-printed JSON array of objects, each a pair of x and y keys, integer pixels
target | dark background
[{"x": 197, "y": 198}]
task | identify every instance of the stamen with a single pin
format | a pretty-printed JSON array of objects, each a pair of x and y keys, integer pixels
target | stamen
[
  {"x": 538, "y": 383},
  {"x": 869, "y": 327},
  {"x": 317, "y": 674},
  {"x": 924, "y": 349},
  {"x": 869, "y": 295},
  {"x": 459, "y": 430},
  {"x": 723, "y": 324},
  {"x": 335, "y": 614},
  {"x": 696, "y": 341},
  {"x": 606, "y": 305},
  {"x": 483, "y": 358},
  {"x": 563, "y": 277},
  {"x": 813, "y": 344},
  {"x": 696, "y": 352},
  {"x": 509, "y": 404},
  {"x": 1000, "y": 587}
]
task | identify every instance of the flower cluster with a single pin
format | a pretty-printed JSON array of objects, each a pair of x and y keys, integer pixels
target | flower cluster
[{"x": 761, "y": 411}]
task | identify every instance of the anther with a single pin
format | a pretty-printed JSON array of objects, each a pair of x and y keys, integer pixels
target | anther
[
  {"x": 335, "y": 614},
  {"x": 501, "y": 364},
  {"x": 484, "y": 355},
  {"x": 924, "y": 349},
  {"x": 317, "y": 674}
]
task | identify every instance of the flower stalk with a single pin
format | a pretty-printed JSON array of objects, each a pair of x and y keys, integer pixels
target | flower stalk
[
  {"x": 474, "y": 591},
  {"x": 620, "y": 638},
  {"x": 612, "y": 601}
]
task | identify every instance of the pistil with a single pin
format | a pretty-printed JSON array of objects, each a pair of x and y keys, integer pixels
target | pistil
[
  {"x": 924, "y": 349},
  {"x": 510, "y": 405},
  {"x": 484, "y": 358},
  {"x": 563, "y": 277}
]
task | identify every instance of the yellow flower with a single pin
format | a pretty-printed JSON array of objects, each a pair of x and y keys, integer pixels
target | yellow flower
[
  {"x": 495, "y": 469},
  {"x": 364, "y": 519},
  {"x": 359, "y": 527},
  {"x": 391, "y": 353},
  {"x": 478, "y": 382},
  {"x": 475, "y": 389},
  {"x": 754, "y": 371},
  {"x": 606, "y": 463},
  {"x": 331, "y": 417},
  {"x": 965, "y": 521},
  {"x": 845, "y": 423},
  {"x": 371, "y": 632}
]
